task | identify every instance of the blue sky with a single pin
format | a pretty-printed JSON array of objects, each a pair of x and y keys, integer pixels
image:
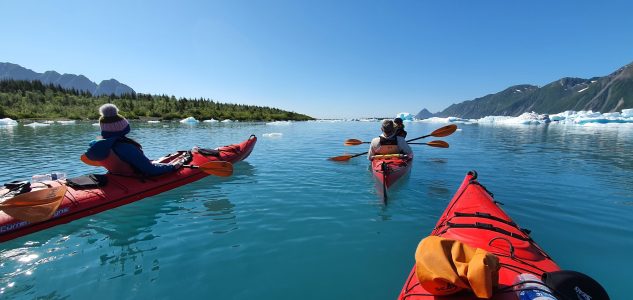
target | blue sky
[{"x": 327, "y": 59}]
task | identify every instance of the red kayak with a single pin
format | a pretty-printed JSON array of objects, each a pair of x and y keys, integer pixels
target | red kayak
[
  {"x": 120, "y": 190},
  {"x": 389, "y": 168},
  {"x": 474, "y": 218}
]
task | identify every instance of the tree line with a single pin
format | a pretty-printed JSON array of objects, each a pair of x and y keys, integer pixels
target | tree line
[{"x": 20, "y": 99}]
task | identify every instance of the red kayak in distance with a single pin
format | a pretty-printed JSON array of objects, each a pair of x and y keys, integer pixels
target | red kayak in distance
[
  {"x": 388, "y": 168},
  {"x": 120, "y": 190},
  {"x": 474, "y": 218}
]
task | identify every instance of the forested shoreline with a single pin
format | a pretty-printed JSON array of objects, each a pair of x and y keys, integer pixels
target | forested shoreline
[{"x": 33, "y": 100}]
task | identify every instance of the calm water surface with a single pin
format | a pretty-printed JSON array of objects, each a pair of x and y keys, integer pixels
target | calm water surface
[{"x": 289, "y": 224}]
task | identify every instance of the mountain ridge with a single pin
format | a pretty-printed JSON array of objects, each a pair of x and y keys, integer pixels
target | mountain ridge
[
  {"x": 608, "y": 93},
  {"x": 66, "y": 81}
]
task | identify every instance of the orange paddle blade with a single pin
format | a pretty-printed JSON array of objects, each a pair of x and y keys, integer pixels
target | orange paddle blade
[
  {"x": 346, "y": 157},
  {"x": 444, "y": 131},
  {"x": 352, "y": 142},
  {"x": 341, "y": 157},
  {"x": 217, "y": 168},
  {"x": 36, "y": 206},
  {"x": 439, "y": 144}
]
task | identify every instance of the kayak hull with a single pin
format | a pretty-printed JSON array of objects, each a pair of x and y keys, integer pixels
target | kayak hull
[
  {"x": 388, "y": 171},
  {"x": 474, "y": 218},
  {"x": 121, "y": 190}
]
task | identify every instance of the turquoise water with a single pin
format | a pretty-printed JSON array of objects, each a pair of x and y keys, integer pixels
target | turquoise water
[{"x": 289, "y": 224}]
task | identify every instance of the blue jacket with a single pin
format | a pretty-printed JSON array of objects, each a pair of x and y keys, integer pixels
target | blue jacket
[{"x": 127, "y": 152}]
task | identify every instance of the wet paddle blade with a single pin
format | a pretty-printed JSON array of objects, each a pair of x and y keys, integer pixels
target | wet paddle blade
[
  {"x": 341, "y": 157},
  {"x": 444, "y": 131},
  {"x": 217, "y": 168},
  {"x": 352, "y": 142},
  {"x": 36, "y": 206},
  {"x": 438, "y": 144}
]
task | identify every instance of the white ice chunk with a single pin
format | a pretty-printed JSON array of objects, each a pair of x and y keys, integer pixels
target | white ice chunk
[
  {"x": 277, "y": 123},
  {"x": 189, "y": 120},
  {"x": 273, "y": 134},
  {"x": 405, "y": 116},
  {"x": 8, "y": 122},
  {"x": 36, "y": 124}
]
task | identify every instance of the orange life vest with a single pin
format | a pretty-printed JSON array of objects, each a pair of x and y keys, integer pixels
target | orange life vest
[
  {"x": 112, "y": 162},
  {"x": 117, "y": 166}
]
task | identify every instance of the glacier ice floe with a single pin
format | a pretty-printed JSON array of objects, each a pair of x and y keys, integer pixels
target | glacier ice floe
[
  {"x": 8, "y": 122},
  {"x": 533, "y": 118},
  {"x": 189, "y": 120}
]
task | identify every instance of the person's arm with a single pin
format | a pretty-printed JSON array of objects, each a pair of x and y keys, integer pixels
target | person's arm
[
  {"x": 404, "y": 147},
  {"x": 372, "y": 148},
  {"x": 135, "y": 157}
]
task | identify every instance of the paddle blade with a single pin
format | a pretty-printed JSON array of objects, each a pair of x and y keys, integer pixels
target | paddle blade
[
  {"x": 217, "y": 168},
  {"x": 36, "y": 206},
  {"x": 444, "y": 131},
  {"x": 438, "y": 144},
  {"x": 352, "y": 142},
  {"x": 341, "y": 157}
]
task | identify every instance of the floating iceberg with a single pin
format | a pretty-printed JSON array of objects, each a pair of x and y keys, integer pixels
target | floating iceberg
[
  {"x": 66, "y": 122},
  {"x": 36, "y": 124},
  {"x": 8, "y": 122},
  {"x": 445, "y": 120},
  {"x": 211, "y": 121},
  {"x": 279, "y": 123},
  {"x": 405, "y": 116},
  {"x": 588, "y": 117},
  {"x": 189, "y": 120},
  {"x": 227, "y": 121},
  {"x": 273, "y": 134},
  {"x": 532, "y": 118},
  {"x": 153, "y": 121},
  {"x": 328, "y": 120}
]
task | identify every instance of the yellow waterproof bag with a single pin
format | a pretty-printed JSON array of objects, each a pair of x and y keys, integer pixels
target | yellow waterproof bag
[{"x": 444, "y": 267}]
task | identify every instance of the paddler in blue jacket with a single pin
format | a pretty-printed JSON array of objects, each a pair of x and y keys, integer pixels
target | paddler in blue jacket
[
  {"x": 388, "y": 142},
  {"x": 119, "y": 154}
]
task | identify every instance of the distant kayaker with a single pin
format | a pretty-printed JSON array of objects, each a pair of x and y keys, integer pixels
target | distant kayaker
[
  {"x": 119, "y": 154},
  {"x": 388, "y": 142},
  {"x": 399, "y": 127}
]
